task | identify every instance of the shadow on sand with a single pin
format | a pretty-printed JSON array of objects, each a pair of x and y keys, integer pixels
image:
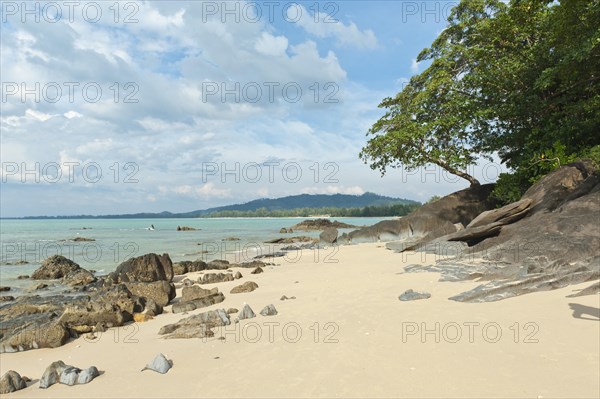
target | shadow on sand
[{"x": 580, "y": 310}]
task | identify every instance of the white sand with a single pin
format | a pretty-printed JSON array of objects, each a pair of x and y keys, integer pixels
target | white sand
[{"x": 368, "y": 356}]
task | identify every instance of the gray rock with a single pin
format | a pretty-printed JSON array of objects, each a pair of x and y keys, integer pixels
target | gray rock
[
  {"x": 246, "y": 313},
  {"x": 285, "y": 298},
  {"x": 258, "y": 270},
  {"x": 160, "y": 364},
  {"x": 69, "y": 376},
  {"x": 553, "y": 244},
  {"x": 52, "y": 374},
  {"x": 238, "y": 275},
  {"x": 329, "y": 235},
  {"x": 87, "y": 375},
  {"x": 196, "y": 326},
  {"x": 248, "y": 286},
  {"x": 410, "y": 295},
  {"x": 269, "y": 310},
  {"x": 11, "y": 381},
  {"x": 232, "y": 310}
]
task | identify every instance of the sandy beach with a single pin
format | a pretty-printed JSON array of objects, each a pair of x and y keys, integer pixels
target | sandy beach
[{"x": 347, "y": 335}]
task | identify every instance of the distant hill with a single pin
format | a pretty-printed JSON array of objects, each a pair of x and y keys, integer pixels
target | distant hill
[{"x": 269, "y": 204}]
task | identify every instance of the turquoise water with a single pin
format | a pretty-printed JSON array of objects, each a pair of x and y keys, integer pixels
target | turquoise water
[{"x": 116, "y": 240}]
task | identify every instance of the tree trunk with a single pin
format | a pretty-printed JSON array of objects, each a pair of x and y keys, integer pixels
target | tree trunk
[{"x": 473, "y": 181}]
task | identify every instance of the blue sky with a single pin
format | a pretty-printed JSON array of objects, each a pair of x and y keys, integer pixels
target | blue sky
[{"x": 187, "y": 106}]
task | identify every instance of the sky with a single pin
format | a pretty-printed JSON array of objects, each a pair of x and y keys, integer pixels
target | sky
[{"x": 122, "y": 107}]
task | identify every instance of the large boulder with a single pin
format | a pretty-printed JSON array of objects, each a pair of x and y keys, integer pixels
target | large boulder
[
  {"x": 547, "y": 240},
  {"x": 32, "y": 322},
  {"x": 329, "y": 235},
  {"x": 197, "y": 326},
  {"x": 161, "y": 292},
  {"x": 55, "y": 267},
  {"x": 145, "y": 269},
  {"x": 432, "y": 220}
]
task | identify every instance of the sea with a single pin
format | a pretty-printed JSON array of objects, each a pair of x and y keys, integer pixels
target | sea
[{"x": 102, "y": 244}]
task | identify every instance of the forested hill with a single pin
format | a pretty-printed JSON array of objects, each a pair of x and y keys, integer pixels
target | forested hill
[{"x": 302, "y": 201}]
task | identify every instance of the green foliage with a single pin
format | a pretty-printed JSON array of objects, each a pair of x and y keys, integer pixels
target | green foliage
[
  {"x": 368, "y": 211},
  {"x": 520, "y": 79}
]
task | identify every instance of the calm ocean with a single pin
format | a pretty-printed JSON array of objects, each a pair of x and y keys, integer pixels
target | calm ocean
[{"x": 116, "y": 240}]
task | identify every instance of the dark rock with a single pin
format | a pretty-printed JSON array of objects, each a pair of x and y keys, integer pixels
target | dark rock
[
  {"x": 11, "y": 381},
  {"x": 160, "y": 364},
  {"x": 329, "y": 235},
  {"x": 251, "y": 264},
  {"x": 40, "y": 286},
  {"x": 187, "y": 266},
  {"x": 7, "y": 298},
  {"x": 269, "y": 310},
  {"x": 238, "y": 275},
  {"x": 197, "y": 326},
  {"x": 218, "y": 264},
  {"x": 321, "y": 224},
  {"x": 212, "y": 278},
  {"x": 232, "y": 310},
  {"x": 246, "y": 313},
  {"x": 161, "y": 292},
  {"x": 79, "y": 277},
  {"x": 410, "y": 295},
  {"x": 111, "y": 307},
  {"x": 83, "y": 239},
  {"x": 146, "y": 269},
  {"x": 439, "y": 216},
  {"x": 198, "y": 303},
  {"x": 258, "y": 270},
  {"x": 248, "y": 286},
  {"x": 55, "y": 267},
  {"x": 283, "y": 230},
  {"x": 285, "y": 298},
  {"x": 276, "y": 254},
  {"x": 21, "y": 262},
  {"x": 4, "y": 289},
  {"x": 186, "y": 228},
  {"x": 23, "y": 277},
  {"x": 230, "y": 239}
]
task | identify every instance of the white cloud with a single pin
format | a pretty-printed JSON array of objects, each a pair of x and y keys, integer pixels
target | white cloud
[
  {"x": 347, "y": 35},
  {"x": 271, "y": 45}
]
